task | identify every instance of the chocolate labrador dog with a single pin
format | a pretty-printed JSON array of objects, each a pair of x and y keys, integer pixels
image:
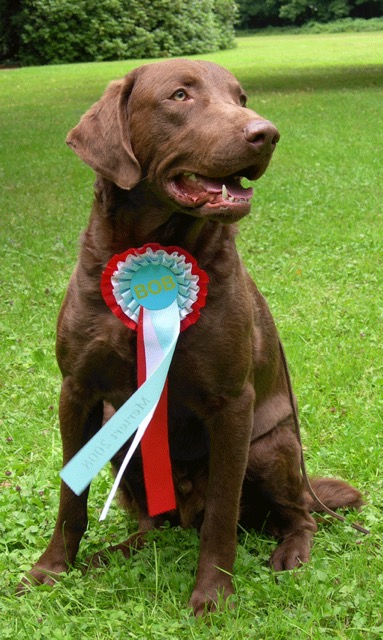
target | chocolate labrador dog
[{"x": 170, "y": 143}]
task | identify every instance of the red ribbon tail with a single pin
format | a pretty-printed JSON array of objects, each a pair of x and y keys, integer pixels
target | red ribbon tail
[
  {"x": 155, "y": 444},
  {"x": 156, "y": 460}
]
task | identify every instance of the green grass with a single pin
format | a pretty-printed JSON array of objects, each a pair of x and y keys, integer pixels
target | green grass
[{"x": 314, "y": 245}]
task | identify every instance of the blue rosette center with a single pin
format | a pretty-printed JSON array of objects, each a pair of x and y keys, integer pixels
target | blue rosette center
[{"x": 154, "y": 280}]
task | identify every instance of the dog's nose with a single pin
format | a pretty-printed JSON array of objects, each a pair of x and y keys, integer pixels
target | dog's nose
[{"x": 262, "y": 134}]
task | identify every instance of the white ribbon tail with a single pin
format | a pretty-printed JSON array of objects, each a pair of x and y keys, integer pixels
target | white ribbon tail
[{"x": 136, "y": 441}]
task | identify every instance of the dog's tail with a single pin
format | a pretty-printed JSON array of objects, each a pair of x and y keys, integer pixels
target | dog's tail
[
  {"x": 334, "y": 494},
  {"x": 324, "y": 495}
]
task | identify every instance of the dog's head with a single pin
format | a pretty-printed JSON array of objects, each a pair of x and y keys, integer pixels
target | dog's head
[{"x": 183, "y": 126}]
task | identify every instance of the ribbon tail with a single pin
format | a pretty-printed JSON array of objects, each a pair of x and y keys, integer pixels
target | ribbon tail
[
  {"x": 155, "y": 441},
  {"x": 156, "y": 461}
]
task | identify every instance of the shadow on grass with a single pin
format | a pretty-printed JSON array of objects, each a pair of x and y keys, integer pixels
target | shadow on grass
[{"x": 313, "y": 79}]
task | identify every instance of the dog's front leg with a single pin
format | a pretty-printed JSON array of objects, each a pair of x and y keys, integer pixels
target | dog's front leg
[
  {"x": 229, "y": 429},
  {"x": 78, "y": 421}
]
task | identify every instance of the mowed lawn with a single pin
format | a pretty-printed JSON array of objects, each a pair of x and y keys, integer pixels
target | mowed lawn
[{"x": 314, "y": 245}]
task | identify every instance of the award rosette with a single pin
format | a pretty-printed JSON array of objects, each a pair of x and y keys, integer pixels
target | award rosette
[{"x": 159, "y": 292}]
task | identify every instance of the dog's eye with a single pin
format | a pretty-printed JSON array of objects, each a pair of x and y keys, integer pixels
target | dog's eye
[
  {"x": 180, "y": 95},
  {"x": 243, "y": 100}
]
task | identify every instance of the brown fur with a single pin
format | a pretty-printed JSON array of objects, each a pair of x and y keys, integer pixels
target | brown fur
[{"x": 233, "y": 447}]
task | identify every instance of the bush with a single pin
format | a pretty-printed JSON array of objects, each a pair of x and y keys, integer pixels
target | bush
[
  {"x": 58, "y": 31},
  {"x": 346, "y": 25}
]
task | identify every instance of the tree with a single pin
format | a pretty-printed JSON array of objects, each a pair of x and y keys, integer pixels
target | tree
[
  {"x": 9, "y": 32},
  {"x": 300, "y": 11},
  {"x": 258, "y": 13}
]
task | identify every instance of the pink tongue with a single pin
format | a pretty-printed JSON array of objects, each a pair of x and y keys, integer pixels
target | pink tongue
[{"x": 234, "y": 189}]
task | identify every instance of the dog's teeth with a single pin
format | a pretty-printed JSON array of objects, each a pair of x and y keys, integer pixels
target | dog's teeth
[
  {"x": 231, "y": 198},
  {"x": 224, "y": 192}
]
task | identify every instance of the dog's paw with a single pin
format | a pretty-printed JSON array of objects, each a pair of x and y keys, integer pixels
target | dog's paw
[
  {"x": 96, "y": 561},
  {"x": 211, "y": 598},
  {"x": 291, "y": 553},
  {"x": 38, "y": 576},
  {"x": 127, "y": 548}
]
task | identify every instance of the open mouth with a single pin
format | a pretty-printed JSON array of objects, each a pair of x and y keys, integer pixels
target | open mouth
[{"x": 213, "y": 195}]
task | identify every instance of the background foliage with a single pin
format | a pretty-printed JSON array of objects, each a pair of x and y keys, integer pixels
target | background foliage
[
  {"x": 34, "y": 32},
  {"x": 262, "y": 13},
  {"x": 54, "y": 31}
]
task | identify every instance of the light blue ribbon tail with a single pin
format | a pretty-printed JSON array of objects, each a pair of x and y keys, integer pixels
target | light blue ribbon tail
[{"x": 85, "y": 465}]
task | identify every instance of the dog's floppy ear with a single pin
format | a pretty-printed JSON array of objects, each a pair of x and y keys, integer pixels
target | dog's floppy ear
[{"x": 102, "y": 137}]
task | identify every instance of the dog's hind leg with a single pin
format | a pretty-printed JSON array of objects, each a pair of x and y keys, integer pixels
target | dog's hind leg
[{"x": 274, "y": 481}]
